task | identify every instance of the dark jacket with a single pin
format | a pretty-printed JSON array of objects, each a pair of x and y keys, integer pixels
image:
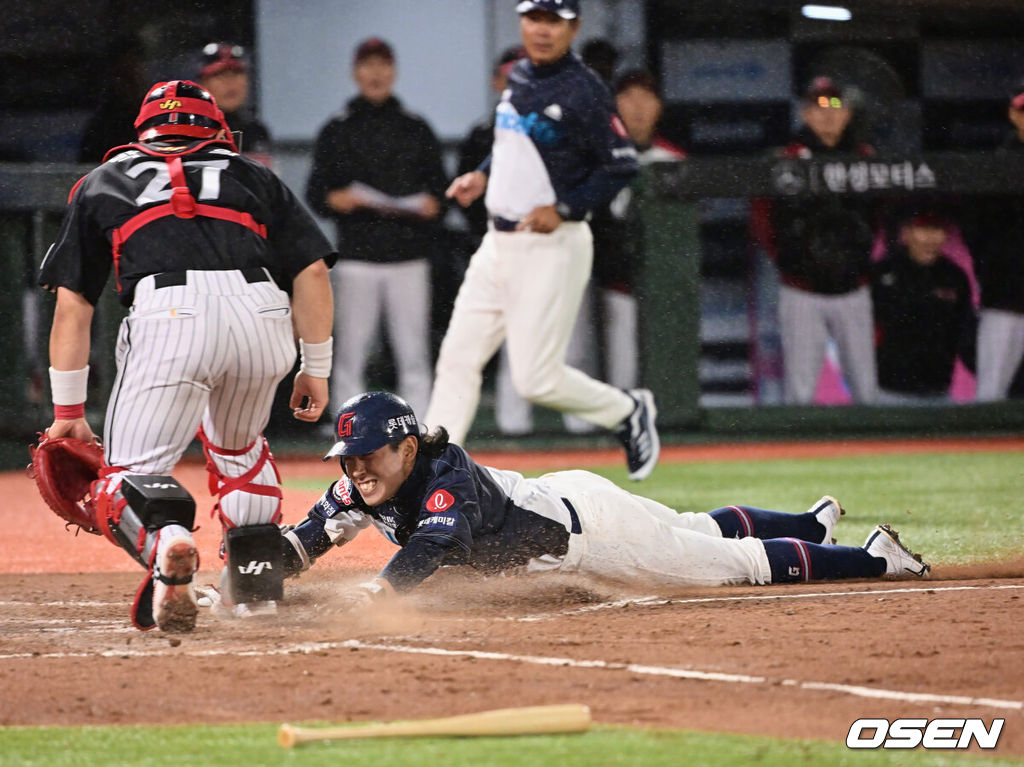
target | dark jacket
[
  {"x": 390, "y": 150},
  {"x": 924, "y": 319},
  {"x": 822, "y": 244},
  {"x": 994, "y": 232}
]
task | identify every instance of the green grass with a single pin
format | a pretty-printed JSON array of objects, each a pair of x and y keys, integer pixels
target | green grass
[
  {"x": 255, "y": 745},
  {"x": 955, "y": 508}
]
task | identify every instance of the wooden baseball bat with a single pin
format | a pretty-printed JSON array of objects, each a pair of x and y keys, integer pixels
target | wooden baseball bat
[{"x": 531, "y": 720}]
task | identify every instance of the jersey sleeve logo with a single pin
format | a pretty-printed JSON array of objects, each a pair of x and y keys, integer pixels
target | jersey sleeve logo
[
  {"x": 345, "y": 424},
  {"x": 440, "y": 501}
]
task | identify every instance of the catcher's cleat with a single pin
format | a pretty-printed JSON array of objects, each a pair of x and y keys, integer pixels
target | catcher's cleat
[
  {"x": 827, "y": 511},
  {"x": 174, "y": 598},
  {"x": 639, "y": 435},
  {"x": 884, "y": 542}
]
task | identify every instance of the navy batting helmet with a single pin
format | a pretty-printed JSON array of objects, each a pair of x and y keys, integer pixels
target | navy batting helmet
[{"x": 369, "y": 421}]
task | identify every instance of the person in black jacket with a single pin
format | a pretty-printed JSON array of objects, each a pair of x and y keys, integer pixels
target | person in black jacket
[
  {"x": 995, "y": 235},
  {"x": 377, "y": 172},
  {"x": 822, "y": 247},
  {"x": 924, "y": 318}
]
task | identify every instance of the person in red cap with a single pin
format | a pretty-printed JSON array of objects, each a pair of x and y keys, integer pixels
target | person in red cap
[
  {"x": 924, "y": 318},
  {"x": 822, "y": 249},
  {"x": 223, "y": 72}
]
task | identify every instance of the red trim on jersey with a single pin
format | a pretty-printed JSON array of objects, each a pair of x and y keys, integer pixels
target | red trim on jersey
[
  {"x": 668, "y": 146},
  {"x": 74, "y": 189},
  {"x": 181, "y": 205}
]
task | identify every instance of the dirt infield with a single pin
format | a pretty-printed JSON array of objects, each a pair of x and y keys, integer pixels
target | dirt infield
[{"x": 792, "y": 661}]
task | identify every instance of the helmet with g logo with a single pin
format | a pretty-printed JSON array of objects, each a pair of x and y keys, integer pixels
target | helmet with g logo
[{"x": 371, "y": 420}]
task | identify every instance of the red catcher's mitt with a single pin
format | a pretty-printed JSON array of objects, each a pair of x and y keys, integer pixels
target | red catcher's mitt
[{"x": 64, "y": 469}]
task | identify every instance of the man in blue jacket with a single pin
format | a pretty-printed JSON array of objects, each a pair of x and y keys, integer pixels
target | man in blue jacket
[{"x": 559, "y": 152}]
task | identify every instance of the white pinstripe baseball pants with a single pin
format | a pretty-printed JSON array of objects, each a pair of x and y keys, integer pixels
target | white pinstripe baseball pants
[{"x": 211, "y": 352}]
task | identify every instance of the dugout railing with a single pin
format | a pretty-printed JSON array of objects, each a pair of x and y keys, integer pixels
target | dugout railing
[{"x": 32, "y": 198}]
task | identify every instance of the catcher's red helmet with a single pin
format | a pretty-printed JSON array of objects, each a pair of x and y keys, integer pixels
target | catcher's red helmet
[{"x": 180, "y": 108}]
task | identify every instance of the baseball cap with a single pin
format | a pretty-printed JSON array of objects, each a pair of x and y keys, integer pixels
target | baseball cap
[
  {"x": 926, "y": 211},
  {"x": 221, "y": 57},
  {"x": 1017, "y": 95},
  {"x": 373, "y": 46},
  {"x": 567, "y": 9},
  {"x": 824, "y": 92},
  {"x": 637, "y": 78}
]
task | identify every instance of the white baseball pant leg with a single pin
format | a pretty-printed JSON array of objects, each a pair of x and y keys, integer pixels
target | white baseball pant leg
[
  {"x": 636, "y": 541},
  {"x": 1000, "y": 350},
  {"x": 475, "y": 331},
  {"x": 513, "y": 413},
  {"x": 406, "y": 291},
  {"x": 358, "y": 291},
  {"x": 581, "y": 353},
  {"x": 803, "y": 335},
  {"x": 540, "y": 313},
  {"x": 851, "y": 324},
  {"x": 621, "y": 338}
]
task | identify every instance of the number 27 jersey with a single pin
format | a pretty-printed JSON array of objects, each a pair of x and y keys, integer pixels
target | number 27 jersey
[{"x": 133, "y": 181}]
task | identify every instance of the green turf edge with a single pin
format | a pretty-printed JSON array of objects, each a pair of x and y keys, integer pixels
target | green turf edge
[{"x": 603, "y": 746}]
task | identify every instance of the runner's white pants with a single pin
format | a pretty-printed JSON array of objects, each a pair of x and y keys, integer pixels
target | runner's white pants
[{"x": 637, "y": 541}]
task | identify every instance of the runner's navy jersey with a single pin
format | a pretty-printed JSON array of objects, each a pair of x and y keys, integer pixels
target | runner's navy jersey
[
  {"x": 132, "y": 181},
  {"x": 557, "y": 141},
  {"x": 449, "y": 511}
]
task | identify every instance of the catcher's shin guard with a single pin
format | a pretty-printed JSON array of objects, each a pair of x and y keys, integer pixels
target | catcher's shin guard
[
  {"x": 255, "y": 564},
  {"x": 130, "y": 507},
  {"x": 245, "y": 481},
  {"x": 133, "y": 511}
]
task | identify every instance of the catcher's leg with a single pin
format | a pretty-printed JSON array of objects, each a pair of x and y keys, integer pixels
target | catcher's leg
[
  {"x": 247, "y": 484},
  {"x": 151, "y": 517}
]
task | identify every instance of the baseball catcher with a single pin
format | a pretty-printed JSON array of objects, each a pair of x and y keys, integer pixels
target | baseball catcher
[{"x": 207, "y": 249}]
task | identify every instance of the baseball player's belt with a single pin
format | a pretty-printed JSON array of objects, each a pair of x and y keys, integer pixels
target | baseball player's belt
[
  {"x": 504, "y": 224},
  {"x": 574, "y": 518},
  {"x": 171, "y": 279}
]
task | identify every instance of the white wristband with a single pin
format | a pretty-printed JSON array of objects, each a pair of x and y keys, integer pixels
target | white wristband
[
  {"x": 69, "y": 387},
  {"x": 315, "y": 359}
]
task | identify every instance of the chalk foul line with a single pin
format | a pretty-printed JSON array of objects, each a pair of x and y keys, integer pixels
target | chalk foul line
[{"x": 307, "y": 648}]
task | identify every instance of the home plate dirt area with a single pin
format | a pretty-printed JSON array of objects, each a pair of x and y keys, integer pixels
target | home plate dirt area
[{"x": 789, "y": 660}]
